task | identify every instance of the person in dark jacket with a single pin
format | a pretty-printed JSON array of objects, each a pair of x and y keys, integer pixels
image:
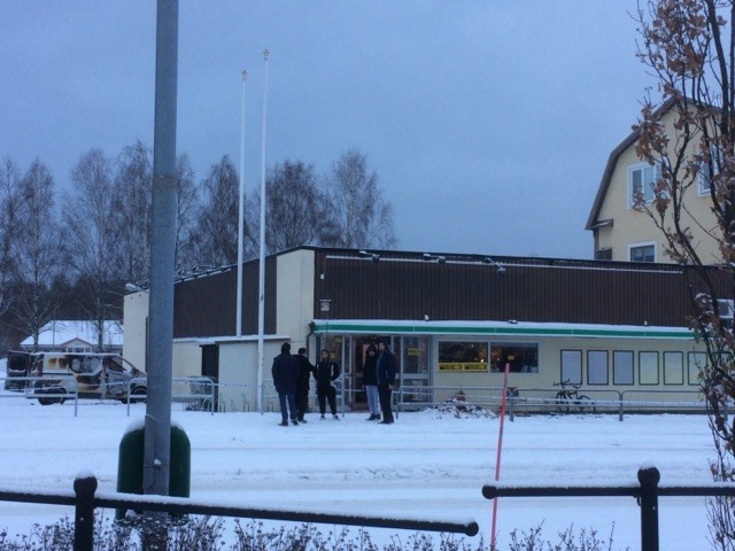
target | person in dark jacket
[
  {"x": 285, "y": 371},
  {"x": 370, "y": 382},
  {"x": 327, "y": 370},
  {"x": 302, "y": 384},
  {"x": 386, "y": 369}
]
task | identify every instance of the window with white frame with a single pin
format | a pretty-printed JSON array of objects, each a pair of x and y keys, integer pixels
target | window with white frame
[
  {"x": 642, "y": 252},
  {"x": 640, "y": 183},
  {"x": 705, "y": 180},
  {"x": 706, "y": 173}
]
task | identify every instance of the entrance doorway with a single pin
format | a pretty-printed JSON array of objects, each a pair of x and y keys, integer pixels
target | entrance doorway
[
  {"x": 415, "y": 372},
  {"x": 412, "y": 365},
  {"x": 359, "y": 346}
]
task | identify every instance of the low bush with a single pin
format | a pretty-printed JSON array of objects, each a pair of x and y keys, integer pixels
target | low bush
[{"x": 203, "y": 533}]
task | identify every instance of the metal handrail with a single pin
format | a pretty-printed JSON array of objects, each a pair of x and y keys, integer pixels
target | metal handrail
[
  {"x": 85, "y": 500},
  {"x": 138, "y": 382},
  {"x": 646, "y": 493},
  {"x": 545, "y": 398},
  {"x": 28, "y": 392}
]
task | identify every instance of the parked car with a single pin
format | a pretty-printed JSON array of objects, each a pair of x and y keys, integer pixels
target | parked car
[
  {"x": 16, "y": 367},
  {"x": 91, "y": 375}
]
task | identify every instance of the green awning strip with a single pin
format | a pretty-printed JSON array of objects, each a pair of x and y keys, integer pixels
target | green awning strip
[{"x": 321, "y": 326}]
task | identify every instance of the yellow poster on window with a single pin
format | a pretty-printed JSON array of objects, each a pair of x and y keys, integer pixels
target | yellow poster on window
[{"x": 463, "y": 366}]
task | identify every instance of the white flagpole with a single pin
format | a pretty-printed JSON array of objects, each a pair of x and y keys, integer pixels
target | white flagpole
[
  {"x": 240, "y": 212},
  {"x": 261, "y": 263}
]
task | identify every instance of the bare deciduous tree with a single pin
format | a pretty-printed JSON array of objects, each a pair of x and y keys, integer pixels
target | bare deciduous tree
[
  {"x": 39, "y": 252},
  {"x": 362, "y": 216},
  {"x": 186, "y": 212},
  {"x": 11, "y": 202},
  {"x": 687, "y": 46},
  {"x": 297, "y": 210},
  {"x": 89, "y": 216},
  {"x": 132, "y": 195},
  {"x": 215, "y": 240}
]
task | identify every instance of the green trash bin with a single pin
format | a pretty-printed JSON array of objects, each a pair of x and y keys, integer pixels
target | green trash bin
[{"x": 130, "y": 465}]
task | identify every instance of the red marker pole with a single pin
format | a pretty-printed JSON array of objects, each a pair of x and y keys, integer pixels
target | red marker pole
[{"x": 503, "y": 406}]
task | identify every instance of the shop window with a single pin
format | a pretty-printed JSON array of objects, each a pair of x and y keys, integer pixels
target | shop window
[
  {"x": 597, "y": 367},
  {"x": 462, "y": 356},
  {"x": 648, "y": 368},
  {"x": 522, "y": 357},
  {"x": 622, "y": 367},
  {"x": 673, "y": 368},
  {"x": 696, "y": 362},
  {"x": 571, "y": 366}
]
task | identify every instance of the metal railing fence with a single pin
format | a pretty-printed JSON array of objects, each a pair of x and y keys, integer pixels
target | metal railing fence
[
  {"x": 203, "y": 394},
  {"x": 199, "y": 391},
  {"x": 544, "y": 400},
  {"x": 646, "y": 493},
  {"x": 85, "y": 501}
]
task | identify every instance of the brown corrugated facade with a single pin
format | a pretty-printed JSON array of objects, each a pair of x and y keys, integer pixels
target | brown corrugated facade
[{"x": 403, "y": 286}]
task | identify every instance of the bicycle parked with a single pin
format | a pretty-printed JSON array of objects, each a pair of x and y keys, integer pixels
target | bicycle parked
[{"x": 568, "y": 400}]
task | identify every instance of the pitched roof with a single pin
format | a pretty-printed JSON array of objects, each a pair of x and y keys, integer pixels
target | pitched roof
[
  {"x": 612, "y": 161},
  {"x": 60, "y": 332}
]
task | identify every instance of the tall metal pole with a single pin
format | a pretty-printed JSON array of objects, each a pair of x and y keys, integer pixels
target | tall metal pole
[
  {"x": 240, "y": 212},
  {"x": 157, "y": 450},
  {"x": 261, "y": 262}
]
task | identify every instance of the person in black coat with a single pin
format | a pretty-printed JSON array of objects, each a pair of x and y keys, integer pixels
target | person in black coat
[
  {"x": 327, "y": 370},
  {"x": 302, "y": 384},
  {"x": 285, "y": 371},
  {"x": 386, "y": 368}
]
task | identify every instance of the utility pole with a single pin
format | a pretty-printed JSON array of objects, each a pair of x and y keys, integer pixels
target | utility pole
[{"x": 157, "y": 449}]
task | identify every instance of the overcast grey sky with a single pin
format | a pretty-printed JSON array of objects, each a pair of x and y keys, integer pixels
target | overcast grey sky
[{"x": 488, "y": 122}]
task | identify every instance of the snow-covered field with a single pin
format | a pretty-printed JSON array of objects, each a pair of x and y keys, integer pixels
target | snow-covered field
[{"x": 427, "y": 464}]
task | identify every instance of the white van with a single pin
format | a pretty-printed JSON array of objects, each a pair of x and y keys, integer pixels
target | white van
[{"x": 90, "y": 375}]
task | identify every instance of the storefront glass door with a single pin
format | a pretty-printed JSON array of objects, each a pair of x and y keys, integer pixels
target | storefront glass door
[{"x": 415, "y": 373}]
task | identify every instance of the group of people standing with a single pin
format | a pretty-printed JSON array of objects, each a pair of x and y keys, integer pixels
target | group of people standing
[{"x": 292, "y": 373}]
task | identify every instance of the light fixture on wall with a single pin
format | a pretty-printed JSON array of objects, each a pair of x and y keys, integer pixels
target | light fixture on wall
[
  {"x": 440, "y": 259},
  {"x": 372, "y": 256},
  {"x": 498, "y": 266},
  {"x": 325, "y": 305}
]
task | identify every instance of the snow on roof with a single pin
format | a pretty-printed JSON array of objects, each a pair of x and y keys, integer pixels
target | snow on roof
[{"x": 61, "y": 332}]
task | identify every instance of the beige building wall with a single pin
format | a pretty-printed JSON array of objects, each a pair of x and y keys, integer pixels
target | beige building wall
[
  {"x": 634, "y": 228},
  {"x": 187, "y": 353},
  {"x": 187, "y": 358},
  {"x": 135, "y": 313},
  {"x": 295, "y": 293},
  {"x": 238, "y": 368}
]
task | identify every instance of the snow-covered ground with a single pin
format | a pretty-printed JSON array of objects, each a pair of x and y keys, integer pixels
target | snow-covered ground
[{"x": 427, "y": 464}]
